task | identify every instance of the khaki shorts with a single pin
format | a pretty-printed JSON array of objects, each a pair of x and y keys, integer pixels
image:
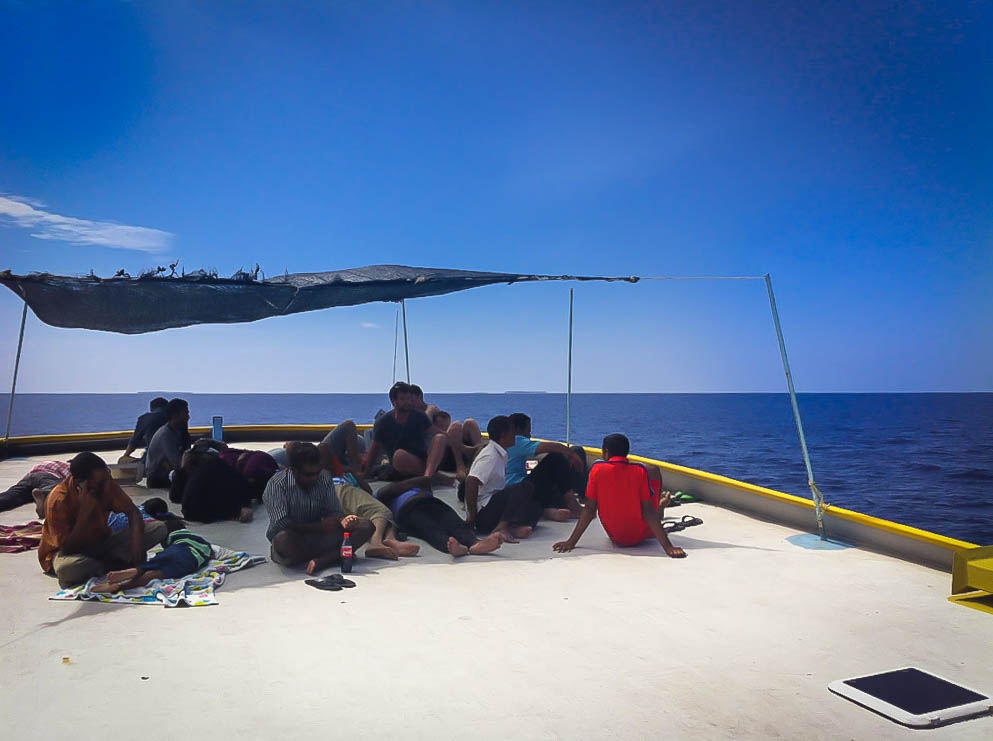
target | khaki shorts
[{"x": 358, "y": 502}]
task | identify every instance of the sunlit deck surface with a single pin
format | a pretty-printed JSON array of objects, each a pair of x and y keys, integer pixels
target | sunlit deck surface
[{"x": 739, "y": 640}]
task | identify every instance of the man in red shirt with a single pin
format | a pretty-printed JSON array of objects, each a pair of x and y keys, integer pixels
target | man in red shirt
[{"x": 619, "y": 491}]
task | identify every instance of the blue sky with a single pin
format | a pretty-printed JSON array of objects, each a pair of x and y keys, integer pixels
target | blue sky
[{"x": 842, "y": 147}]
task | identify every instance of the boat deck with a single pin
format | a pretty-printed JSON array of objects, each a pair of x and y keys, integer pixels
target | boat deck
[{"x": 739, "y": 640}]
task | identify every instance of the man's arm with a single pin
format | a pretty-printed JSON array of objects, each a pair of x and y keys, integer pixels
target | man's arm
[
  {"x": 137, "y": 527},
  {"x": 651, "y": 517},
  {"x": 372, "y": 456},
  {"x": 585, "y": 518},
  {"x": 564, "y": 450},
  {"x": 76, "y": 540},
  {"x": 391, "y": 491},
  {"x": 472, "y": 485}
]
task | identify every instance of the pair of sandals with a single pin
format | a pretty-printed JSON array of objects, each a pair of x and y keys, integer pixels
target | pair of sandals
[
  {"x": 682, "y": 524},
  {"x": 332, "y": 583}
]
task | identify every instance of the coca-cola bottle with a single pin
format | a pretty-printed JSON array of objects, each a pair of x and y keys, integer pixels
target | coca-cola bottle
[{"x": 347, "y": 555}]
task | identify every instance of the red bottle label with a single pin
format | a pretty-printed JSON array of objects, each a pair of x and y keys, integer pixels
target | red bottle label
[{"x": 346, "y": 551}]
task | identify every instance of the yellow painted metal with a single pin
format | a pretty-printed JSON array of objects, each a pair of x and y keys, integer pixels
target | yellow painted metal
[
  {"x": 982, "y": 601},
  {"x": 972, "y": 569}
]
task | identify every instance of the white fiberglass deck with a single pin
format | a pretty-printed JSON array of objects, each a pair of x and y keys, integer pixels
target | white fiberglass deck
[{"x": 739, "y": 640}]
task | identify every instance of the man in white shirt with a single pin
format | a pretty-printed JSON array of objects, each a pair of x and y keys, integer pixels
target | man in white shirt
[{"x": 490, "y": 506}]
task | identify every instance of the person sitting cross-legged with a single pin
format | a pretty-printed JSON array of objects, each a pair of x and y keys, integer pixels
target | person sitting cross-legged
[
  {"x": 401, "y": 433},
  {"x": 619, "y": 492},
  {"x": 164, "y": 453},
  {"x": 76, "y": 542},
  {"x": 306, "y": 520},
  {"x": 420, "y": 514}
]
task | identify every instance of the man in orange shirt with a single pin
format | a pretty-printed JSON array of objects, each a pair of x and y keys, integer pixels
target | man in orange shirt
[
  {"x": 76, "y": 543},
  {"x": 619, "y": 491}
]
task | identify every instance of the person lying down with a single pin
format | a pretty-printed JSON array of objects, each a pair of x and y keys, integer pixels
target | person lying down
[{"x": 184, "y": 553}]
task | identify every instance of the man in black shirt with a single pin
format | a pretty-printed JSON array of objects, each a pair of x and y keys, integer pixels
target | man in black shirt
[
  {"x": 147, "y": 424},
  {"x": 405, "y": 434}
]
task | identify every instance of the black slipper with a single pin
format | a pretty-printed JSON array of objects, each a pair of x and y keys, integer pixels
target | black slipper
[
  {"x": 339, "y": 579},
  {"x": 673, "y": 527},
  {"x": 327, "y": 584},
  {"x": 690, "y": 521}
]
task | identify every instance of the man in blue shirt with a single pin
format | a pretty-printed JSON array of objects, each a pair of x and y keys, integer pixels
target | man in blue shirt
[{"x": 556, "y": 477}]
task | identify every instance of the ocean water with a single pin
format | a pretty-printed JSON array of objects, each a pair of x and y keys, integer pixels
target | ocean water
[{"x": 921, "y": 459}]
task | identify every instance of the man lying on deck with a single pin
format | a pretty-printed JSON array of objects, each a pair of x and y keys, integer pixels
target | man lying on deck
[
  {"x": 419, "y": 513},
  {"x": 511, "y": 511},
  {"x": 401, "y": 433},
  {"x": 556, "y": 477},
  {"x": 76, "y": 542},
  {"x": 35, "y": 485},
  {"x": 165, "y": 450},
  {"x": 184, "y": 553},
  {"x": 306, "y": 521},
  {"x": 619, "y": 491}
]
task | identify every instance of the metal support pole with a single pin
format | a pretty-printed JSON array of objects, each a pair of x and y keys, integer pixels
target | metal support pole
[
  {"x": 17, "y": 364},
  {"x": 568, "y": 391},
  {"x": 406, "y": 352},
  {"x": 396, "y": 341},
  {"x": 814, "y": 491}
]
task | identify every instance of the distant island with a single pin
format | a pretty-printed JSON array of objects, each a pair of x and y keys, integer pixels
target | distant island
[{"x": 525, "y": 392}]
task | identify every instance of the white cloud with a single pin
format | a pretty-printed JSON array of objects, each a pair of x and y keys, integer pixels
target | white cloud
[
  {"x": 369, "y": 325},
  {"x": 21, "y": 212}
]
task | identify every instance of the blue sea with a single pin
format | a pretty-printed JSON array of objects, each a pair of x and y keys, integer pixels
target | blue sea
[{"x": 921, "y": 459}]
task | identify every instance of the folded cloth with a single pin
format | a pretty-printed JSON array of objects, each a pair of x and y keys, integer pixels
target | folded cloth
[
  {"x": 195, "y": 590},
  {"x": 18, "y": 538}
]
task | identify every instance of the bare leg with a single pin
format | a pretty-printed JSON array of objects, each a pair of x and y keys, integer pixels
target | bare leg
[
  {"x": 407, "y": 463},
  {"x": 512, "y": 533},
  {"x": 558, "y": 515},
  {"x": 359, "y": 536},
  {"x": 458, "y": 449},
  {"x": 436, "y": 451},
  {"x": 487, "y": 545},
  {"x": 377, "y": 548},
  {"x": 471, "y": 435},
  {"x": 521, "y": 531}
]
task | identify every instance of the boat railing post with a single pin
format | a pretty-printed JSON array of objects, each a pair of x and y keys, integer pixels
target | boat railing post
[
  {"x": 568, "y": 388},
  {"x": 406, "y": 352},
  {"x": 13, "y": 383},
  {"x": 814, "y": 491}
]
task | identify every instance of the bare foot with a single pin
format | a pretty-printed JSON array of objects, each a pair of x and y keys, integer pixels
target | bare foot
[
  {"x": 557, "y": 515},
  {"x": 40, "y": 497},
  {"x": 246, "y": 514},
  {"x": 521, "y": 531},
  {"x": 456, "y": 548},
  {"x": 487, "y": 545},
  {"x": 312, "y": 567},
  {"x": 119, "y": 577},
  {"x": 381, "y": 551},
  {"x": 401, "y": 548},
  {"x": 506, "y": 536}
]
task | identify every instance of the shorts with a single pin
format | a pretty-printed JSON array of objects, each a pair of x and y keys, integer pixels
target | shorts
[
  {"x": 358, "y": 502},
  {"x": 175, "y": 561}
]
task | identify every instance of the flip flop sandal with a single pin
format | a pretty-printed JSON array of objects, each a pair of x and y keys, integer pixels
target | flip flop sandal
[
  {"x": 326, "y": 584},
  {"x": 680, "y": 496},
  {"x": 339, "y": 579},
  {"x": 673, "y": 527},
  {"x": 690, "y": 521}
]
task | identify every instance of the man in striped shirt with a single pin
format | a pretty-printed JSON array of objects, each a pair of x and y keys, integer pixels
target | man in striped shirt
[
  {"x": 36, "y": 484},
  {"x": 306, "y": 521}
]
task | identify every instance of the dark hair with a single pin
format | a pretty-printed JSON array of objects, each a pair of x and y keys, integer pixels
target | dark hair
[
  {"x": 616, "y": 444},
  {"x": 521, "y": 422},
  {"x": 175, "y": 406},
  {"x": 85, "y": 464},
  {"x": 398, "y": 388},
  {"x": 440, "y": 413},
  {"x": 498, "y": 427},
  {"x": 304, "y": 454},
  {"x": 156, "y": 506},
  {"x": 416, "y": 390},
  {"x": 157, "y": 403}
]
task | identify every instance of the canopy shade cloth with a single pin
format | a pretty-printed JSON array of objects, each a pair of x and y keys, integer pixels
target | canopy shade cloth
[{"x": 153, "y": 302}]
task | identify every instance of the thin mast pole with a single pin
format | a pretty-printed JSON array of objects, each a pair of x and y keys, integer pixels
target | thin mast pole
[
  {"x": 17, "y": 364},
  {"x": 568, "y": 392},
  {"x": 396, "y": 341},
  {"x": 814, "y": 491},
  {"x": 406, "y": 352}
]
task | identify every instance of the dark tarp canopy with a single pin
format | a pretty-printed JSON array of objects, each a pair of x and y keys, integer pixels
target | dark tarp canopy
[{"x": 153, "y": 302}]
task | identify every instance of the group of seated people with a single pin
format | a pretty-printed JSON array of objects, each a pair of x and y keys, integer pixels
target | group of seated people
[{"x": 316, "y": 494}]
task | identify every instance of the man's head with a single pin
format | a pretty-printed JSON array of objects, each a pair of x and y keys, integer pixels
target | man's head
[
  {"x": 90, "y": 469},
  {"x": 442, "y": 420},
  {"x": 305, "y": 462},
  {"x": 400, "y": 396},
  {"x": 417, "y": 397},
  {"x": 501, "y": 431},
  {"x": 158, "y": 403},
  {"x": 178, "y": 413},
  {"x": 521, "y": 423},
  {"x": 616, "y": 445}
]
